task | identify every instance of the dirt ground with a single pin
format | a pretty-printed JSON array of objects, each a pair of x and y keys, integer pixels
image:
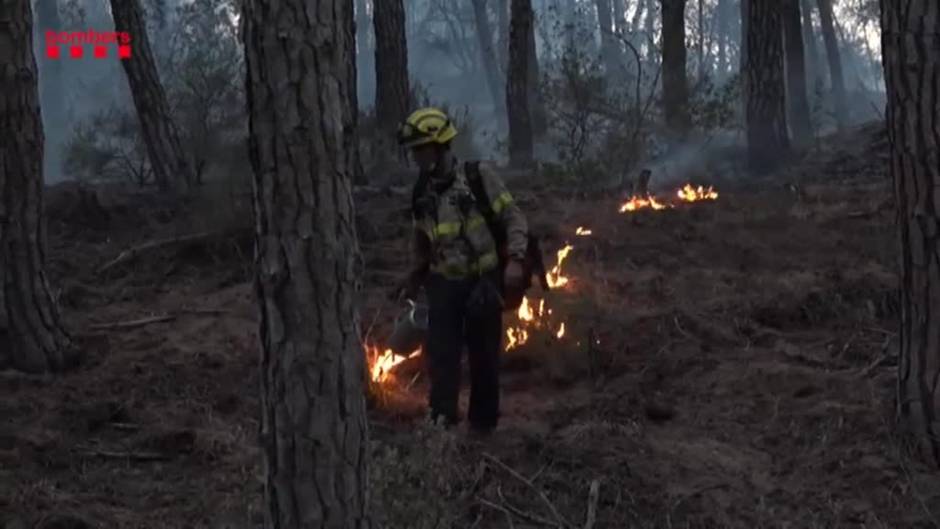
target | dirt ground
[{"x": 725, "y": 364}]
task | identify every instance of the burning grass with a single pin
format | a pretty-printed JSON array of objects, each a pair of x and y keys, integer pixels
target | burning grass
[{"x": 686, "y": 194}]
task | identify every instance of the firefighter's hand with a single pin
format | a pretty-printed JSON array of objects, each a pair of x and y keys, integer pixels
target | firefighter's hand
[{"x": 513, "y": 274}]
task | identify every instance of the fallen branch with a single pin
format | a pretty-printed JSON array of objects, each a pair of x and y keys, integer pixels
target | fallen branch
[
  {"x": 561, "y": 520},
  {"x": 527, "y": 516},
  {"x": 491, "y": 505},
  {"x": 132, "y": 253},
  {"x": 593, "y": 496},
  {"x": 132, "y": 324},
  {"x": 133, "y": 456}
]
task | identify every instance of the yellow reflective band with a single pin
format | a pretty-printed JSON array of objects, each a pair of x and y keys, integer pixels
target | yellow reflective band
[
  {"x": 501, "y": 202},
  {"x": 451, "y": 229},
  {"x": 457, "y": 271}
]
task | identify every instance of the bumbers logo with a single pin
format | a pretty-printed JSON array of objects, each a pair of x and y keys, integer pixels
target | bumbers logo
[{"x": 72, "y": 44}]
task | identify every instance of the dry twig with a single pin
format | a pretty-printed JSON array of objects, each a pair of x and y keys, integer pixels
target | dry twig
[
  {"x": 593, "y": 496},
  {"x": 131, "y": 324},
  {"x": 561, "y": 521}
]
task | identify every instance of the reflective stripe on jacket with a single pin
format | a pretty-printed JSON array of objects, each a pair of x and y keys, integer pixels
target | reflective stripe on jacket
[{"x": 460, "y": 244}]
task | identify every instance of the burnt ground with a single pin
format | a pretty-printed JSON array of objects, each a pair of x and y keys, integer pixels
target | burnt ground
[{"x": 726, "y": 364}]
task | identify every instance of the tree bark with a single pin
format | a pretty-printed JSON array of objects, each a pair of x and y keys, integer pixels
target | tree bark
[
  {"x": 32, "y": 338},
  {"x": 488, "y": 55},
  {"x": 391, "y": 65},
  {"x": 314, "y": 430},
  {"x": 764, "y": 86},
  {"x": 912, "y": 77},
  {"x": 675, "y": 76},
  {"x": 171, "y": 168},
  {"x": 517, "y": 86},
  {"x": 365, "y": 53},
  {"x": 800, "y": 121},
  {"x": 813, "y": 69},
  {"x": 835, "y": 62}
]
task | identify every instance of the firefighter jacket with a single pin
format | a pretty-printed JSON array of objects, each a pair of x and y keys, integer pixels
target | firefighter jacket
[{"x": 452, "y": 237}]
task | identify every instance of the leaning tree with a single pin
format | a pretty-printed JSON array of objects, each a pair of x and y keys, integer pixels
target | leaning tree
[{"x": 32, "y": 338}]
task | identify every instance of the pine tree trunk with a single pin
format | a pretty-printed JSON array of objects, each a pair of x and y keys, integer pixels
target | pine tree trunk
[
  {"x": 537, "y": 110},
  {"x": 488, "y": 55},
  {"x": 609, "y": 46},
  {"x": 51, "y": 88},
  {"x": 764, "y": 86},
  {"x": 638, "y": 16},
  {"x": 700, "y": 47},
  {"x": 32, "y": 338},
  {"x": 912, "y": 78},
  {"x": 365, "y": 53},
  {"x": 675, "y": 77},
  {"x": 835, "y": 62},
  {"x": 502, "y": 20},
  {"x": 517, "y": 89},
  {"x": 723, "y": 29},
  {"x": 391, "y": 65},
  {"x": 800, "y": 121},
  {"x": 314, "y": 429},
  {"x": 649, "y": 28},
  {"x": 813, "y": 69},
  {"x": 171, "y": 168},
  {"x": 352, "y": 77},
  {"x": 745, "y": 17},
  {"x": 620, "y": 14}
]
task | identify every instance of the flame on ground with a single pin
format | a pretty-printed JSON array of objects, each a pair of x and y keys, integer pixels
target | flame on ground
[
  {"x": 583, "y": 232},
  {"x": 694, "y": 194},
  {"x": 555, "y": 277},
  {"x": 382, "y": 362},
  {"x": 637, "y": 202}
]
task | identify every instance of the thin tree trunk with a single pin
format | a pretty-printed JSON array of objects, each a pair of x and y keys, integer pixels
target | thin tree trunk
[
  {"x": 391, "y": 66},
  {"x": 638, "y": 16},
  {"x": 352, "y": 132},
  {"x": 314, "y": 432},
  {"x": 912, "y": 75},
  {"x": 620, "y": 14},
  {"x": 502, "y": 21},
  {"x": 745, "y": 17},
  {"x": 764, "y": 87},
  {"x": 814, "y": 70},
  {"x": 700, "y": 46},
  {"x": 835, "y": 62},
  {"x": 488, "y": 55},
  {"x": 536, "y": 102},
  {"x": 723, "y": 30},
  {"x": 517, "y": 89},
  {"x": 32, "y": 338},
  {"x": 365, "y": 53},
  {"x": 675, "y": 77},
  {"x": 650, "y": 29},
  {"x": 171, "y": 167},
  {"x": 800, "y": 121},
  {"x": 609, "y": 47}
]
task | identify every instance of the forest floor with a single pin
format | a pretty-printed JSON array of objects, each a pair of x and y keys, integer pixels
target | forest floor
[{"x": 729, "y": 363}]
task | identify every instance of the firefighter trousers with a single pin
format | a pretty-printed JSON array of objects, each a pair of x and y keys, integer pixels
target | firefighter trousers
[{"x": 455, "y": 321}]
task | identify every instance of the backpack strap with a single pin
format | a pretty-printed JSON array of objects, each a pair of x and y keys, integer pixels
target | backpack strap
[{"x": 475, "y": 183}]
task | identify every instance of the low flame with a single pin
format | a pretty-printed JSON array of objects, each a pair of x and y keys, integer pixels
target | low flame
[
  {"x": 637, "y": 202},
  {"x": 561, "y": 331},
  {"x": 381, "y": 362},
  {"x": 583, "y": 232},
  {"x": 555, "y": 277},
  {"x": 694, "y": 194}
]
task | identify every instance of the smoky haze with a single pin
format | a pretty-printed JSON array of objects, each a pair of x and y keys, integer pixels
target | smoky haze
[{"x": 445, "y": 68}]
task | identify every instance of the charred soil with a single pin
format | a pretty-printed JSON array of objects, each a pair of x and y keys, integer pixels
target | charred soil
[{"x": 724, "y": 364}]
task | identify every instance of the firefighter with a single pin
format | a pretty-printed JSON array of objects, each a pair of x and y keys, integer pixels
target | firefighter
[{"x": 457, "y": 260}]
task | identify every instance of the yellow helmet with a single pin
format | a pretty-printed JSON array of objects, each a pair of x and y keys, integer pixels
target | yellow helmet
[{"x": 426, "y": 125}]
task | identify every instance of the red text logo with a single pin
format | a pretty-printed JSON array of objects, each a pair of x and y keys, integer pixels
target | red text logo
[{"x": 73, "y": 43}]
